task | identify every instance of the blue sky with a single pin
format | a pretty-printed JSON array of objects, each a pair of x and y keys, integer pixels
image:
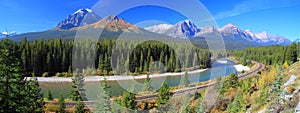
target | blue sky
[{"x": 278, "y": 17}]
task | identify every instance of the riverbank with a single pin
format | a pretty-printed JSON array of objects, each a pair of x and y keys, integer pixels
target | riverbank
[
  {"x": 238, "y": 67},
  {"x": 114, "y": 78}
]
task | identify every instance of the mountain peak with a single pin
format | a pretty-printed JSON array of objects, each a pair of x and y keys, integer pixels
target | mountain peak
[
  {"x": 86, "y": 10},
  {"x": 230, "y": 25},
  {"x": 112, "y": 18},
  {"x": 113, "y": 24},
  {"x": 183, "y": 29},
  {"x": 187, "y": 22},
  {"x": 78, "y": 19},
  {"x": 231, "y": 29}
]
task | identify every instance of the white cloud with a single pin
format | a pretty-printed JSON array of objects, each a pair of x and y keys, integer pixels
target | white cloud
[{"x": 255, "y": 5}]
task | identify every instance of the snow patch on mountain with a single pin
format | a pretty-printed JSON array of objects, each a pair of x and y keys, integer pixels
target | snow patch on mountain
[
  {"x": 187, "y": 28},
  {"x": 83, "y": 11},
  {"x": 4, "y": 34},
  {"x": 161, "y": 28}
]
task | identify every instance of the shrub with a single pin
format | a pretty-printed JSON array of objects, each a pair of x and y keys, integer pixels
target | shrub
[
  {"x": 51, "y": 108},
  {"x": 89, "y": 72},
  {"x": 59, "y": 75},
  {"x": 46, "y": 74},
  {"x": 68, "y": 74}
]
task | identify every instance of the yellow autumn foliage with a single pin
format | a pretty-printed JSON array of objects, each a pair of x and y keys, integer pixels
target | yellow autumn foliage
[
  {"x": 290, "y": 89},
  {"x": 285, "y": 65},
  {"x": 267, "y": 77}
]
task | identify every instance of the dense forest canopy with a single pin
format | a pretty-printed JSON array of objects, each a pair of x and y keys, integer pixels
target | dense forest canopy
[
  {"x": 270, "y": 55},
  {"x": 52, "y": 56}
]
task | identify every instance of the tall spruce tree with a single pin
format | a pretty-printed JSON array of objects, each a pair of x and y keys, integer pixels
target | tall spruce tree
[
  {"x": 78, "y": 92},
  {"x": 199, "y": 108},
  {"x": 34, "y": 98},
  {"x": 128, "y": 100},
  {"x": 103, "y": 104},
  {"x": 237, "y": 105},
  {"x": 186, "y": 81},
  {"x": 164, "y": 94},
  {"x": 49, "y": 96},
  {"x": 79, "y": 108},
  {"x": 147, "y": 84},
  {"x": 12, "y": 83},
  {"x": 61, "y": 105},
  {"x": 292, "y": 53}
]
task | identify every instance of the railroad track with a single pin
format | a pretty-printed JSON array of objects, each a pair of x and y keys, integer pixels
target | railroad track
[
  {"x": 258, "y": 68},
  {"x": 89, "y": 104}
]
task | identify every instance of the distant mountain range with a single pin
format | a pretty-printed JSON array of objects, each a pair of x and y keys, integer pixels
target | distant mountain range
[
  {"x": 4, "y": 34},
  {"x": 187, "y": 29},
  {"x": 113, "y": 26}
]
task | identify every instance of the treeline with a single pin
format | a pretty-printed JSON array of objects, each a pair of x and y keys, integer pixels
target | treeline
[
  {"x": 52, "y": 56},
  {"x": 269, "y": 55}
]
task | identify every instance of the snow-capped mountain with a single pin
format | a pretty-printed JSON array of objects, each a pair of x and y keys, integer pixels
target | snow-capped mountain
[
  {"x": 267, "y": 39},
  {"x": 183, "y": 29},
  {"x": 230, "y": 29},
  {"x": 77, "y": 19},
  {"x": 161, "y": 28},
  {"x": 4, "y": 34},
  {"x": 231, "y": 32},
  {"x": 260, "y": 38}
]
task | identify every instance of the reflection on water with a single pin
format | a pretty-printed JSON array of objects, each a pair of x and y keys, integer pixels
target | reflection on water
[{"x": 220, "y": 67}]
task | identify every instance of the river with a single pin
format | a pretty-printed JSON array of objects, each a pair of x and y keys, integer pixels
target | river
[{"x": 220, "y": 66}]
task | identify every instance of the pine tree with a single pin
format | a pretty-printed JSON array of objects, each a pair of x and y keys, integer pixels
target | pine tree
[
  {"x": 275, "y": 90},
  {"x": 185, "y": 104},
  {"x": 199, "y": 108},
  {"x": 103, "y": 104},
  {"x": 186, "y": 81},
  {"x": 237, "y": 104},
  {"x": 128, "y": 100},
  {"x": 34, "y": 98},
  {"x": 195, "y": 60},
  {"x": 12, "y": 83},
  {"x": 164, "y": 94},
  {"x": 49, "y": 63},
  {"x": 61, "y": 105},
  {"x": 197, "y": 95},
  {"x": 292, "y": 53},
  {"x": 233, "y": 80},
  {"x": 79, "y": 108},
  {"x": 49, "y": 96},
  {"x": 78, "y": 92},
  {"x": 147, "y": 84},
  {"x": 141, "y": 62}
]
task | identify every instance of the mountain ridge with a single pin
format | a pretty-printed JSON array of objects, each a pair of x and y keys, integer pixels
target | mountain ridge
[
  {"x": 114, "y": 26},
  {"x": 181, "y": 30}
]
